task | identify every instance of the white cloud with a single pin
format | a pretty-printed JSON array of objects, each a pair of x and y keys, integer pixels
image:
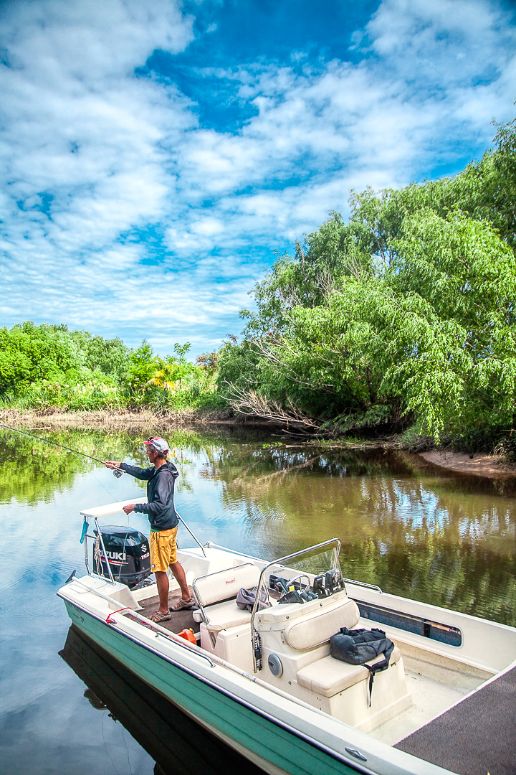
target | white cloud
[
  {"x": 401, "y": 27},
  {"x": 116, "y": 199}
]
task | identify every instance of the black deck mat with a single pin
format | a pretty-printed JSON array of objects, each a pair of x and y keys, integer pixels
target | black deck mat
[
  {"x": 179, "y": 620},
  {"x": 476, "y": 736}
]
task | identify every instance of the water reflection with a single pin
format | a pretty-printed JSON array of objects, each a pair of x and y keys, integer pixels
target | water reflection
[
  {"x": 405, "y": 525},
  {"x": 411, "y": 528},
  {"x": 175, "y": 742}
]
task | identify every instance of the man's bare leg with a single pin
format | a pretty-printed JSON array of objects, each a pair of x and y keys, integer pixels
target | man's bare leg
[
  {"x": 179, "y": 575},
  {"x": 162, "y": 584}
]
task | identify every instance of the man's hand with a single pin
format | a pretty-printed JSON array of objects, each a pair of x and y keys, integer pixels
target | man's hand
[
  {"x": 114, "y": 464},
  {"x": 128, "y": 508}
]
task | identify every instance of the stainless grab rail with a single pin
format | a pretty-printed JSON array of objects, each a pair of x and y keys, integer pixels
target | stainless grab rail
[
  {"x": 193, "y": 536},
  {"x": 333, "y": 543},
  {"x": 99, "y": 534}
]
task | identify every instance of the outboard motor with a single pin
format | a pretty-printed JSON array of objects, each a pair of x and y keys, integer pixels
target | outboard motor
[{"x": 127, "y": 552}]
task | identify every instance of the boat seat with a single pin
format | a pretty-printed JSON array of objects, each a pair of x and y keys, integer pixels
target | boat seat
[
  {"x": 306, "y": 626},
  {"x": 329, "y": 676},
  {"x": 318, "y": 626},
  {"x": 222, "y": 616},
  {"x": 216, "y": 594}
]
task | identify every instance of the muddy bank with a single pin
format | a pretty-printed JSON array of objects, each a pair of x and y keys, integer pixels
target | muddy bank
[
  {"x": 116, "y": 420},
  {"x": 480, "y": 464}
]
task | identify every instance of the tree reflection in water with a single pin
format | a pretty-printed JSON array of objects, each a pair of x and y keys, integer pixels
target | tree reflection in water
[{"x": 413, "y": 529}]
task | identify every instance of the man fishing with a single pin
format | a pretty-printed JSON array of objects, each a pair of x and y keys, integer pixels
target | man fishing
[{"x": 160, "y": 477}]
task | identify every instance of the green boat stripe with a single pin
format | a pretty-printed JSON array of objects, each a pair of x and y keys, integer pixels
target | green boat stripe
[{"x": 355, "y": 766}]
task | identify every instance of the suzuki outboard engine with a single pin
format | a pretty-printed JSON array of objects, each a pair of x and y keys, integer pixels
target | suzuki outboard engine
[{"x": 127, "y": 552}]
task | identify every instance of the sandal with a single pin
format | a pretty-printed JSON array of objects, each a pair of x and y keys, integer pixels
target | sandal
[
  {"x": 180, "y": 604},
  {"x": 158, "y": 617}
]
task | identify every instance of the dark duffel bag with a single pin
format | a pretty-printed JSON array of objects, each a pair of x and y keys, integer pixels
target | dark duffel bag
[
  {"x": 360, "y": 646},
  {"x": 246, "y": 597}
]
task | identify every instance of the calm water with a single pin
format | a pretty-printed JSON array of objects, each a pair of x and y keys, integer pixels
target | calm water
[{"x": 411, "y": 528}]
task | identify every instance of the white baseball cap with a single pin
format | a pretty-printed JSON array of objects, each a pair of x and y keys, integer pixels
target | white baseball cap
[{"x": 157, "y": 443}]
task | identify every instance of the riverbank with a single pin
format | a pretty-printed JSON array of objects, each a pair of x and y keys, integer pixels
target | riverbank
[
  {"x": 149, "y": 423},
  {"x": 112, "y": 420},
  {"x": 480, "y": 464}
]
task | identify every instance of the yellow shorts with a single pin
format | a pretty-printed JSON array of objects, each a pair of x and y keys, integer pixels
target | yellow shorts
[{"x": 163, "y": 549}]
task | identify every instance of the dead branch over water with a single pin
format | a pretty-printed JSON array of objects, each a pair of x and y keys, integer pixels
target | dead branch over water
[{"x": 291, "y": 420}]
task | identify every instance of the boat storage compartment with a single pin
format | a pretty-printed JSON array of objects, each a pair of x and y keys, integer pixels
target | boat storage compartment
[{"x": 343, "y": 690}]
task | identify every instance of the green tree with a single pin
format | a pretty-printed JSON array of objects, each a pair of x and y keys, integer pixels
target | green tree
[{"x": 404, "y": 314}]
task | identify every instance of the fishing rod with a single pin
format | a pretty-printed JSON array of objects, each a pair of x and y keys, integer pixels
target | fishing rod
[{"x": 116, "y": 472}]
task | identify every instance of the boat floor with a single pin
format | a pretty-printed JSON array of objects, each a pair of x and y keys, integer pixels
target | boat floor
[
  {"x": 431, "y": 695},
  {"x": 179, "y": 620},
  {"x": 476, "y": 736}
]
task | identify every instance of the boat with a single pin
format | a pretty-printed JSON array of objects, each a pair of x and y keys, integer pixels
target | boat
[{"x": 261, "y": 675}]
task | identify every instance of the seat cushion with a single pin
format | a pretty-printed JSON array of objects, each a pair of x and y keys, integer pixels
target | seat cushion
[
  {"x": 224, "y": 584},
  {"x": 328, "y": 676},
  {"x": 221, "y": 616},
  {"x": 307, "y": 632}
]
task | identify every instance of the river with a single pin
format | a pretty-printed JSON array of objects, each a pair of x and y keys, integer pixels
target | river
[{"x": 406, "y": 525}]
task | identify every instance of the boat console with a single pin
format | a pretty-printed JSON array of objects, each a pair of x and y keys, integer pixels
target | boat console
[
  {"x": 286, "y": 639},
  {"x": 296, "y": 657}
]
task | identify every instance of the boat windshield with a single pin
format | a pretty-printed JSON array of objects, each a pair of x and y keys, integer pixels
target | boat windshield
[{"x": 302, "y": 576}]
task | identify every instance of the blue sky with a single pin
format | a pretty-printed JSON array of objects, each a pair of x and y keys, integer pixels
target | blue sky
[{"x": 156, "y": 158}]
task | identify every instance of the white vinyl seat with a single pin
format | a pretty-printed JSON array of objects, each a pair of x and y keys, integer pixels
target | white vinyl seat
[
  {"x": 328, "y": 676},
  {"x": 216, "y": 596},
  {"x": 307, "y": 626},
  {"x": 318, "y": 626}
]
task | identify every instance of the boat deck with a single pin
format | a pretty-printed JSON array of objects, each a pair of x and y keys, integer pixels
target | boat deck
[
  {"x": 179, "y": 620},
  {"x": 432, "y": 692},
  {"x": 476, "y": 736}
]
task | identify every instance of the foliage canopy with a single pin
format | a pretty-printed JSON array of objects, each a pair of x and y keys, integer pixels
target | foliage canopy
[
  {"x": 50, "y": 366},
  {"x": 404, "y": 314}
]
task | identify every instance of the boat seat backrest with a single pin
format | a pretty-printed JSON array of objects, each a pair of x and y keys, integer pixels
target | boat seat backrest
[
  {"x": 319, "y": 625},
  {"x": 224, "y": 584}
]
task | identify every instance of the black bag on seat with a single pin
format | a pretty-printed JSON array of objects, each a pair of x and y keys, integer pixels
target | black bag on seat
[
  {"x": 246, "y": 597},
  {"x": 359, "y": 646}
]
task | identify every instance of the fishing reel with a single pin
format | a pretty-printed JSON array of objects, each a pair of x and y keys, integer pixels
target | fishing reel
[{"x": 117, "y": 472}]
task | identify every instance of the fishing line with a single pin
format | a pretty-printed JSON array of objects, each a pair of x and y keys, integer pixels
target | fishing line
[{"x": 118, "y": 472}]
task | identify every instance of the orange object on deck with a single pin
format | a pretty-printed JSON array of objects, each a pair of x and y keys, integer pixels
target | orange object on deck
[{"x": 188, "y": 634}]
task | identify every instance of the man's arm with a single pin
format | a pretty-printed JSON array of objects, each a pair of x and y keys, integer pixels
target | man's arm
[{"x": 136, "y": 471}]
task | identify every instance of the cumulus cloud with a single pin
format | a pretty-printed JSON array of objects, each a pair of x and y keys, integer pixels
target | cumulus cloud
[{"x": 117, "y": 200}]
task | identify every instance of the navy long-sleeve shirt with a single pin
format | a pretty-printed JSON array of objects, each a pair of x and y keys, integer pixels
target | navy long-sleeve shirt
[{"x": 160, "y": 494}]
